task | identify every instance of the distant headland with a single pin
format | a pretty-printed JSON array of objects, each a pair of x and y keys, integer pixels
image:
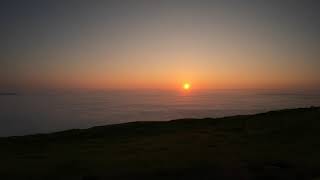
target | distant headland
[{"x": 8, "y": 94}]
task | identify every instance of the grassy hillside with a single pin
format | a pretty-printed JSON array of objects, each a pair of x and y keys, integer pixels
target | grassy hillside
[{"x": 274, "y": 145}]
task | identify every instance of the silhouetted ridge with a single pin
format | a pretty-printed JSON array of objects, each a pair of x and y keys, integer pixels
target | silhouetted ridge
[{"x": 274, "y": 145}]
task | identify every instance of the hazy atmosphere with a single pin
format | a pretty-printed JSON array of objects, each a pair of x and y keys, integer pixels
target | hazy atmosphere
[
  {"x": 159, "y": 44},
  {"x": 166, "y": 89}
]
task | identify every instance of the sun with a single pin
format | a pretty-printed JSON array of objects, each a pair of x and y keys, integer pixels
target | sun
[{"x": 186, "y": 86}]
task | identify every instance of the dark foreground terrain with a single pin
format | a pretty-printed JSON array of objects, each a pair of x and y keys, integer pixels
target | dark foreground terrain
[{"x": 274, "y": 145}]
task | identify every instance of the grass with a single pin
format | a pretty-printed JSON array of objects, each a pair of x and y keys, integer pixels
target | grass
[{"x": 274, "y": 145}]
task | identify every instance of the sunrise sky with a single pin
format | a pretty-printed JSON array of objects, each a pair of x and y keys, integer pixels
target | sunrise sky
[{"x": 159, "y": 44}]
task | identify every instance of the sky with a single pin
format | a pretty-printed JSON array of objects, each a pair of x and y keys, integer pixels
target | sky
[{"x": 219, "y": 44}]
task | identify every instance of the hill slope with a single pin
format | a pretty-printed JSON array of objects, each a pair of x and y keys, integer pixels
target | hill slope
[{"x": 274, "y": 145}]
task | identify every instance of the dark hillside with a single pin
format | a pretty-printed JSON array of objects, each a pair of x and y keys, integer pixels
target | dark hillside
[{"x": 274, "y": 145}]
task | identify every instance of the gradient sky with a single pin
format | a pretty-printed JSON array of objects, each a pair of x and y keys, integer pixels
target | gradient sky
[{"x": 159, "y": 44}]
